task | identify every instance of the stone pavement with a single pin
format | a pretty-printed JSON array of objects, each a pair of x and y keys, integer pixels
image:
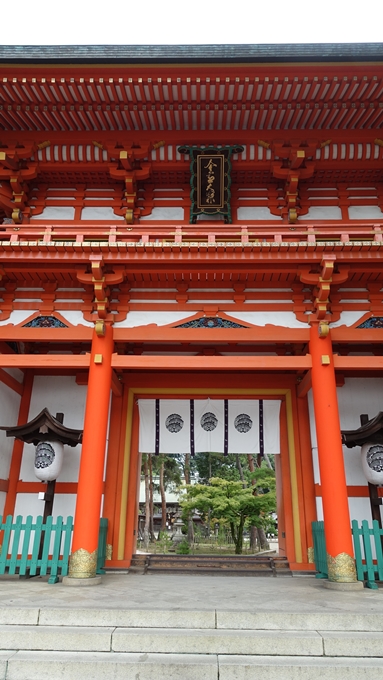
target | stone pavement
[
  {"x": 184, "y": 592},
  {"x": 181, "y": 627}
]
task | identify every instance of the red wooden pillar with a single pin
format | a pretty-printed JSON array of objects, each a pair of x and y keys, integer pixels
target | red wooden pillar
[
  {"x": 83, "y": 562},
  {"x": 341, "y": 565}
]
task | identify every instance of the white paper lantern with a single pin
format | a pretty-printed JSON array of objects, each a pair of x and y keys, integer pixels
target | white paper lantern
[
  {"x": 48, "y": 460},
  {"x": 372, "y": 462}
]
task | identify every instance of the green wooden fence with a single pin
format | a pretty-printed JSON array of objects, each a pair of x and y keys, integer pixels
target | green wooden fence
[
  {"x": 368, "y": 568},
  {"x": 320, "y": 553},
  {"x": 31, "y": 548}
]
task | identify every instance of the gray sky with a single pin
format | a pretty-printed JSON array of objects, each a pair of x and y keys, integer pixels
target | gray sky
[{"x": 186, "y": 22}]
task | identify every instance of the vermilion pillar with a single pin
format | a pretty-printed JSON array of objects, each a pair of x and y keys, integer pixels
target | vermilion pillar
[
  {"x": 341, "y": 565},
  {"x": 83, "y": 560}
]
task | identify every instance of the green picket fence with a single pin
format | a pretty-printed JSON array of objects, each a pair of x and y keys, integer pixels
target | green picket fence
[
  {"x": 368, "y": 568},
  {"x": 31, "y": 548},
  {"x": 320, "y": 553}
]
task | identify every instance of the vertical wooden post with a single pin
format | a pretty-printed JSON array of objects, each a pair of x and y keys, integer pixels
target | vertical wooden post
[
  {"x": 83, "y": 562},
  {"x": 341, "y": 565},
  {"x": 310, "y": 512},
  {"x": 18, "y": 446}
]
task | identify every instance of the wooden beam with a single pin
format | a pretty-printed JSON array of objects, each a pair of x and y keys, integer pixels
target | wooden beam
[
  {"x": 211, "y": 363},
  {"x": 50, "y": 361},
  {"x": 4, "y": 485},
  {"x": 10, "y": 381},
  {"x": 74, "y": 334},
  {"x": 359, "y": 363},
  {"x": 251, "y": 335},
  {"x": 367, "y": 336},
  {"x": 305, "y": 385},
  {"x": 117, "y": 386}
]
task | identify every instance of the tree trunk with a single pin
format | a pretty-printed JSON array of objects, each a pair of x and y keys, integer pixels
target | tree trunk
[
  {"x": 151, "y": 504},
  {"x": 262, "y": 539},
  {"x": 163, "y": 496},
  {"x": 187, "y": 481},
  {"x": 239, "y": 541},
  {"x": 253, "y": 538},
  {"x": 239, "y": 466},
  {"x": 147, "y": 505},
  {"x": 253, "y": 529}
]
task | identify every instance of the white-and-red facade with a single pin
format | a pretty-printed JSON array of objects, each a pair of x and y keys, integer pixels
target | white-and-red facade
[{"x": 100, "y": 267}]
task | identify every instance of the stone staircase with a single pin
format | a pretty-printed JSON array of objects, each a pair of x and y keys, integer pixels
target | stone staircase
[
  {"x": 122, "y": 644},
  {"x": 226, "y": 565}
]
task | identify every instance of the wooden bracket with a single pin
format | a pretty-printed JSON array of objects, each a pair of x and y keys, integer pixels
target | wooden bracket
[
  {"x": 292, "y": 162},
  {"x": 130, "y": 166}
]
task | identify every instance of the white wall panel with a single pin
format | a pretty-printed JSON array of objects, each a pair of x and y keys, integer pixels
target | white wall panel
[
  {"x": 17, "y": 316},
  {"x": 134, "y": 319},
  {"x": 357, "y": 396},
  {"x": 29, "y": 504},
  {"x": 287, "y": 319},
  {"x": 2, "y": 501},
  {"x": 59, "y": 395},
  {"x": 76, "y": 318},
  {"x": 348, "y": 318},
  {"x": 164, "y": 214},
  {"x": 9, "y": 411}
]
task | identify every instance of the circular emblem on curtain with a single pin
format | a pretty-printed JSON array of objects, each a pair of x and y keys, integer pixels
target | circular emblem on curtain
[
  {"x": 372, "y": 462},
  {"x": 174, "y": 423},
  {"x": 243, "y": 423},
  {"x": 209, "y": 421}
]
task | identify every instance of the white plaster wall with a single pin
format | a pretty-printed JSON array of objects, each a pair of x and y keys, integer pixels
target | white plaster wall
[
  {"x": 319, "y": 509},
  {"x": 322, "y": 212},
  {"x": 358, "y": 395},
  {"x": 17, "y": 316},
  {"x": 365, "y": 212},
  {"x": 60, "y": 394},
  {"x": 29, "y": 504},
  {"x": 255, "y": 213},
  {"x": 134, "y": 319},
  {"x": 65, "y": 212},
  {"x": 16, "y": 373},
  {"x": 9, "y": 411},
  {"x": 101, "y": 213},
  {"x": 2, "y": 501},
  {"x": 348, "y": 318},
  {"x": 287, "y": 319},
  {"x": 76, "y": 318},
  {"x": 164, "y": 214}
]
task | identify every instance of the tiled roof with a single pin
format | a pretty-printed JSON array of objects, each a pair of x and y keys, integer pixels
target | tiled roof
[{"x": 351, "y": 52}]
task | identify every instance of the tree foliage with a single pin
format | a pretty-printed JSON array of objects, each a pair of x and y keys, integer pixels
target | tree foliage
[{"x": 233, "y": 503}]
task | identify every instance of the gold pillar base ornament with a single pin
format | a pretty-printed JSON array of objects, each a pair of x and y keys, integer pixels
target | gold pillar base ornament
[
  {"x": 83, "y": 564},
  {"x": 109, "y": 550},
  {"x": 341, "y": 569},
  {"x": 310, "y": 555}
]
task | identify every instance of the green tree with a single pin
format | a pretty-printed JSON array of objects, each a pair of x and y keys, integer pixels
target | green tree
[{"x": 233, "y": 503}]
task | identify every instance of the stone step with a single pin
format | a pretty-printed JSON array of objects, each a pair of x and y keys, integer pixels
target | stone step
[
  {"x": 191, "y": 619},
  {"x": 37, "y": 665},
  {"x": 238, "y": 565},
  {"x": 192, "y": 641}
]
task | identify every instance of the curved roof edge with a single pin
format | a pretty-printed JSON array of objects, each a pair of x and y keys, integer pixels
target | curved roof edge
[{"x": 310, "y": 52}]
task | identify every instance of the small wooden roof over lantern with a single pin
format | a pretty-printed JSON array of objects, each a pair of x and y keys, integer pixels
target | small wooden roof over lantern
[
  {"x": 370, "y": 431},
  {"x": 44, "y": 428},
  {"x": 49, "y": 435},
  {"x": 369, "y": 436}
]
